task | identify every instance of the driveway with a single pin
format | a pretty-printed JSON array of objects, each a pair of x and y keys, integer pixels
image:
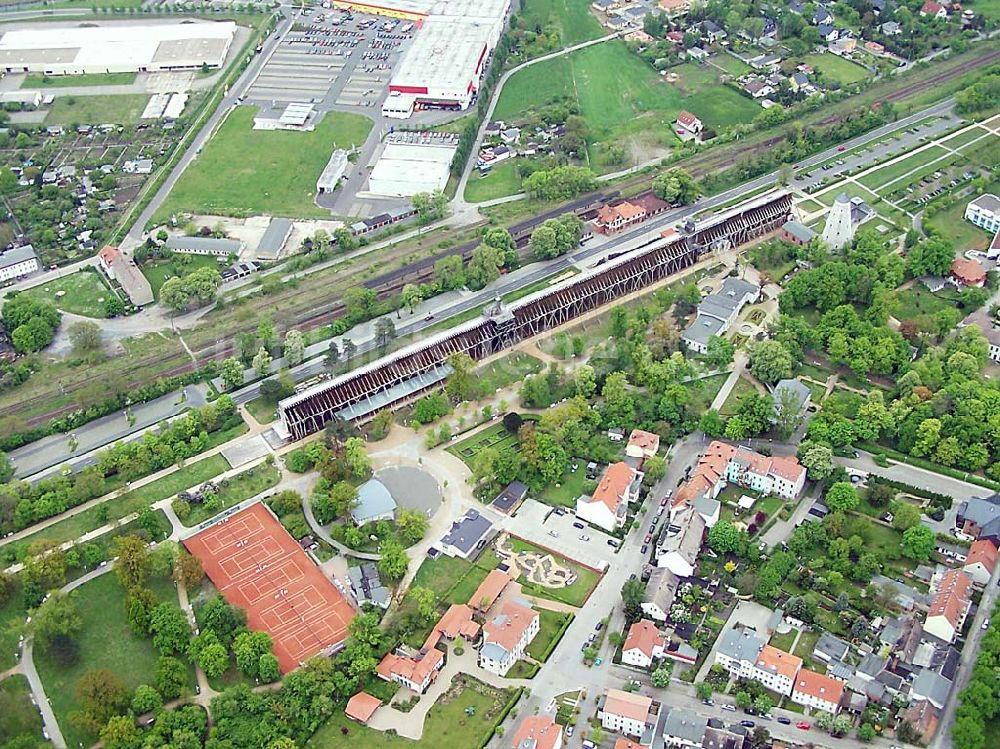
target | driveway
[{"x": 538, "y": 523}]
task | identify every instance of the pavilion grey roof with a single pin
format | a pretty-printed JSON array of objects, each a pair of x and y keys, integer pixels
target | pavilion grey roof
[
  {"x": 374, "y": 501},
  {"x": 742, "y": 645}
]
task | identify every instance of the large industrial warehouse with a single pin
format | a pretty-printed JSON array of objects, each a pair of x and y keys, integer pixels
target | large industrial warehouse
[
  {"x": 454, "y": 40},
  {"x": 116, "y": 48}
]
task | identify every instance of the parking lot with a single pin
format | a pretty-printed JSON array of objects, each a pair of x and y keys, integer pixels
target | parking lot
[
  {"x": 542, "y": 525},
  {"x": 334, "y": 60}
]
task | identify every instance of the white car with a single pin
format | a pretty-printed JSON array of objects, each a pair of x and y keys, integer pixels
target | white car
[{"x": 584, "y": 537}]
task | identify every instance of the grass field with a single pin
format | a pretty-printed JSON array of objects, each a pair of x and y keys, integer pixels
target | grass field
[
  {"x": 235, "y": 489},
  {"x": 550, "y": 623},
  {"x": 245, "y": 172},
  {"x": 18, "y": 716},
  {"x": 12, "y": 616},
  {"x": 565, "y": 493},
  {"x": 448, "y": 724},
  {"x": 575, "y": 594},
  {"x": 158, "y": 273},
  {"x": 499, "y": 182},
  {"x": 40, "y": 80},
  {"x": 621, "y": 97},
  {"x": 741, "y": 388},
  {"x": 836, "y": 69},
  {"x": 962, "y": 139},
  {"x": 81, "y": 293},
  {"x": 121, "y": 110},
  {"x": 133, "y": 501},
  {"x": 951, "y": 223},
  {"x": 894, "y": 171},
  {"x": 572, "y": 17},
  {"x": 732, "y": 65},
  {"x": 106, "y": 641},
  {"x": 495, "y": 436}
]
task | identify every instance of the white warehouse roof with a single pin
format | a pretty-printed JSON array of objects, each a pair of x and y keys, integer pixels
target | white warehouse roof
[
  {"x": 404, "y": 170},
  {"x": 116, "y": 47}
]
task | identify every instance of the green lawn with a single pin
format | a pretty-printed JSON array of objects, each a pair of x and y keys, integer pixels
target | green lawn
[
  {"x": 550, "y": 624},
  {"x": 807, "y": 642},
  {"x": 494, "y": 436},
  {"x": 566, "y": 492},
  {"x": 572, "y": 18},
  {"x": 894, "y": 171},
  {"x": 133, "y": 501},
  {"x": 81, "y": 293},
  {"x": 783, "y": 642},
  {"x": 951, "y": 223},
  {"x": 732, "y": 65},
  {"x": 264, "y": 409},
  {"x": 40, "y": 80},
  {"x": 703, "y": 391},
  {"x": 621, "y": 97},
  {"x": 157, "y": 273},
  {"x": 121, "y": 110},
  {"x": 501, "y": 181},
  {"x": 741, "y": 388},
  {"x": 235, "y": 489},
  {"x": 575, "y": 594},
  {"x": 919, "y": 304},
  {"x": 836, "y": 69},
  {"x": 12, "y": 616},
  {"x": 106, "y": 641},
  {"x": 18, "y": 716},
  {"x": 448, "y": 724},
  {"x": 505, "y": 371},
  {"x": 245, "y": 172}
]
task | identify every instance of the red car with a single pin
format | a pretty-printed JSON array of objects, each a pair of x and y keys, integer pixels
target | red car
[
  {"x": 663, "y": 502},
  {"x": 841, "y": 148},
  {"x": 649, "y": 537},
  {"x": 803, "y": 725}
]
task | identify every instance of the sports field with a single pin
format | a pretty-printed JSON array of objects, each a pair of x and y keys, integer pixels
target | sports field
[
  {"x": 836, "y": 69},
  {"x": 572, "y": 18},
  {"x": 246, "y": 172},
  {"x": 257, "y": 566},
  {"x": 621, "y": 97}
]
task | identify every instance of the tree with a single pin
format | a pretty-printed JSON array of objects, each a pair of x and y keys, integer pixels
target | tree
[
  {"x": 676, "y": 186},
  {"x": 788, "y": 411},
  {"x": 655, "y": 468},
  {"x": 932, "y": 257},
  {"x": 85, "y": 337},
  {"x": 169, "y": 625},
  {"x": 146, "y": 699},
  {"x": 411, "y": 525},
  {"x": 905, "y": 516},
  {"x": 725, "y": 538},
  {"x": 385, "y": 332},
  {"x": 448, "y": 273},
  {"x": 332, "y": 356},
  {"x": 760, "y": 737},
  {"x": 866, "y": 732},
  {"x": 344, "y": 239},
  {"x": 743, "y": 699},
  {"x": 295, "y": 347},
  {"x": 770, "y": 361},
  {"x": 711, "y": 423},
  {"x": 269, "y": 670},
  {"x": 266, "y": 333},
  {"x": 425, "y": 600},
  {"x": 213, "y": 659},
  {"x": 120, "y": 732},
  {"x": 817, "y": 459},
  {"x": 101, "y": 694},
  {"x": 633, "y": 592},
  {"x": 393, "y": 561},
  {"x": 171, "y": 677},
  {"x": 543, "y": 244},
  {"x": 133, "y": 563},
  {"x": 660, "y": 678},
  {"x": 56, "y": 619},
  {"x": 461, "y": 383},
  {"x": 484, "y": 266},
  {"x": 918, "y": 543},
  {"x": 139, "y": 605},
  {"x": 248, "y": 647},
  {"x": 704, "y": 690},
  {"x": 357, "y": 457},
  {"x": 262, "y": 362},
  {"x": 187, "y": 569},
  {"x": 841, "y": 497},
  {"x": 231, "y": 373},
  {"x": 762, "y": 704},
  {"x": 429, "y": 206},
  {"x": 410, "y": 296},
  {"x": 720, "y": 351}
]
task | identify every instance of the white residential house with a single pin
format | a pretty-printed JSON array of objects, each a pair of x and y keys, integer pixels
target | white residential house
[
  {"x": 776, "y": 669},
  {"x": 984, "y": 212},
  {"x": 949, "y": 606},
  {"x": 737, "y": 652},
  {"x": 608, "y": 506},
  {"x": 643, "y": 644},
  {"x": 661, "y": 589},
  {"x": 506, "y": 635},
  {"x": 678, "y": 551},
  {"x": 18, "y": 262},
  {"x": 818, "y": 691},
  {"x": 625, "y": 712}
]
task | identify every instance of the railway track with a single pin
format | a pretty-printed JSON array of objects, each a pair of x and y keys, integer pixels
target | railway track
[{"x": 422, "y": 271}]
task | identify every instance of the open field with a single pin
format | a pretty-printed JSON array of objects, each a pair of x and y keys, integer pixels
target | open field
[
  {"x": 836, "y": 69},
  {"x": 106, "y": 641},
  {"x": 448, "y": 724},
  {"x": 501, "y": 181},
  {"x": 732, "y": 65},
  {"x": 180, "y": 265},
  {"x": 621, "y": 97},
  {"x": 40, "y": 80},
  {"x": 122, "y": 109},
  {"x": 81, "y": 293},
  {"x": 741, "y": 388},
  {"x": 18, "y": 716},
  {"x": 244, "y": 172},
  {"x": 894, "y": 171},
  {"x": 956, "y": 141},
  {"x": 572, "y": 18}
]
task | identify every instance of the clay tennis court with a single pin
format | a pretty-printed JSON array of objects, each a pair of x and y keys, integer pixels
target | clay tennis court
[{"x": 257, "y": 566}]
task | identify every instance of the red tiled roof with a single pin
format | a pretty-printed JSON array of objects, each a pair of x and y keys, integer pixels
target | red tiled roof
[
  {"x": 968, "y": 272},
  {"x": 931, "y": 8},
  {"x": 614, "y": 485},
  {"x": 645, "y": 636},
  {"x": 108, "y": 253},
  {"x": 778, "y": 662},
  {"x": 624, "y": 743},
  {"x": 541, "y": 728},
  {"x": 627, "y": 704},
  {"x": 362, "y": 706},
  {"x": 457, "y": 620},
  {"x": 819, "y": 686},
  {"x": 489, "y": 590},
  {"x": 686, "y": 118},
  {"x": 644, "y": 440},
  {"x": 411, "y": 669},
  {"x": 982, "y": 551},
  {"x": 509, "y": 626},
  {"x": 952, "y": 597}
]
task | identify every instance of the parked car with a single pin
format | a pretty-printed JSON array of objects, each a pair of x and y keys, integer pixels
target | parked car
[
  {"x": 663, "y": 502},
  {"x": 710, "y": 703},
  {"x": 581, "y": 526},
  {"x": 645, "y": 548},
  {"x": 747, "y": 723},
  {"x": 614, "y": 542},
  {"x": 803, "y": 725},
  {"x": 569, "y": 730},
  {"x": 600, "y": 626},
  {"x": 784, "y": 721},
  {"x": 986, "y": 623},
  {"x": 648, "y": 538},
  {"x": 730, "y": 708},
  {"x": 554, "y": 534},
  {"x": 584, "y": 537}
]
